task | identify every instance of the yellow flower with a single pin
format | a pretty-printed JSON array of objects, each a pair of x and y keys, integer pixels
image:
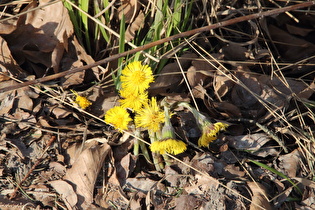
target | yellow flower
[
  {"x": 171, "y": 146},
  {"x": 150, "y": 116},
  {"x": 118, "y": 117},
  {"x": 83, "y": 102},
  {"x": 133, "y": 100},
  {"x": 136, "y": 77},
  {"x": 210, "y": 132}
]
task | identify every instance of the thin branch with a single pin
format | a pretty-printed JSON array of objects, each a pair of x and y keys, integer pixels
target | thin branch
[{"x": 161, "y": 41}]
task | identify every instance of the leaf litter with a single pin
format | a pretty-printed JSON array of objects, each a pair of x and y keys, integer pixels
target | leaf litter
[{"x": 92, "y": 166}]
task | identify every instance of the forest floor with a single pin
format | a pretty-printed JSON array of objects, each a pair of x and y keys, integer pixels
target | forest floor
[{"x": 255, "y": 76}]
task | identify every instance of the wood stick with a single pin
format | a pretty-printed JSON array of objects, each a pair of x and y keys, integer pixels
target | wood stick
[{"x": 161, "y": 41}]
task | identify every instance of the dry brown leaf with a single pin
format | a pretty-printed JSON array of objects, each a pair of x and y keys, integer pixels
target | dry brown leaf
[
  {"x": 185, "y": 202},
  {"x": 259, "y": 197},
  {"x": 295, "y": 30},
  {"x": 222, "y": 84},
  {"x": 253, "y": 143},
  {"x": 170, "y": 77},
  {"x": 201, "y": 71},
  {"x": 7, "y": 62},
  {"x": 66, "y": 191},
  {"x": 129, "y": 9},
  {"x": 291, "y": 48},
  {"x": 290, "y": 163},
  {"x": 42, "y": 35},
  {"x": 134, "y": 26},
  {"x": 84, "y": 171}
]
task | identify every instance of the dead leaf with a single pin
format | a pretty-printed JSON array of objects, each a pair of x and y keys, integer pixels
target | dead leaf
[
  {"x": 185, "y": 202},
  {"x": 253, "y": 143},
  {"x": 129, "y": 9},
  {"x": 259, "y": 196},
  {"x": 170, "y": 77},
  {"x": 291, "y": 48},
  {"x": 66, "y": 191},
  {"x": 85, "y": 169},
  {"x": 134, "y": 26},
  {"x": 289, "y": 163},
  {"x": 41, "y": 36},
  {"x": 295, "y": 30}
]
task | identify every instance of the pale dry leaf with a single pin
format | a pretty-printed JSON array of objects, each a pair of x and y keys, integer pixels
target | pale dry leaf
[
  {"x": 134, "y": 26},
  {"x": 7, "y": 62},
  {"x": 253, "y": 143},
  {"x": 41, "y": 36},
  {"x": 85, "y": 169},
  {"x": 129, "y": 9},
  {"x": 170, "y": 76},
  {"x": 185, "y": 202},
  {"x": 222, "y": 84},
  {"x": 290, "y": 163},
  {"x": 66, "y": 191},
  {"x": 259, "y": 197},
  {"x": 60, "y": 112}
]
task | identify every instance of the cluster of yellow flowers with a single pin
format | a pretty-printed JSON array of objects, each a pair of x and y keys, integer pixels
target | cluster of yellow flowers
[{"x": 135, "y": 79}]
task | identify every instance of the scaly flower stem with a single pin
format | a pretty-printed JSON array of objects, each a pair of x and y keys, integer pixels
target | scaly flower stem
[
  {"x": 157, "y": 163},
  {"x": 136, "y": 143},
  {"x": 201, "y": 119}
]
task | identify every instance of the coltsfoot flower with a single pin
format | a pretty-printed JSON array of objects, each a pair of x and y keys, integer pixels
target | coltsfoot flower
[
  {"x": 150, "y": 116},
  {"x": 118, "y": 117},
  {"x": 133, "y": 100},
  {"x": 83, "y": 102},
  {"x": 168, "y": 143},
  {"x": 171, "y": 146},
  {"x": 136, "y": 77},
  {"x": 210, "y": 132}
]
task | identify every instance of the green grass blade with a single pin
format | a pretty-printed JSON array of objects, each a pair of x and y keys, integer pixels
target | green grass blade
[
  {"x": 122, "y": 33},
  {"x": 278, "y": 173}
]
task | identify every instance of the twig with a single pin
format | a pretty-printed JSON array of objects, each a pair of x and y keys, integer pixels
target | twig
[
  {"x": 14, "y": 193},
  {"x": 161, "y": 41}
]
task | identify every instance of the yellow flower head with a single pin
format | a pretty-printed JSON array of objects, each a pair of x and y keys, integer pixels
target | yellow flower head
[
  {"x": 171, "y": 146},
  {"x": 136, "y": 77},
  {"x": 150, "y": 116},
  {"x": 81, "y": 101},
  {"x": 118, "y": 117},
  {"x": 133, "y": 100},
  {"x": 210, "y": 132}
]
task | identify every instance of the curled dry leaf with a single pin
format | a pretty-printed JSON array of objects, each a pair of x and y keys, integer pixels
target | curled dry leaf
[
  {"x": 134, "y": 26},
  {"x": 290, "y": 163},
  {"x": 253, "y": 143},
  {"x": 84, "y": 171},
  {"x": 259, "y": 197},
  {"x": 41, "y": 35},
  {"x": 66, "y": 191},
  {"x": 170, "y": 77},
  {"x": 129, "y": 9}
]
